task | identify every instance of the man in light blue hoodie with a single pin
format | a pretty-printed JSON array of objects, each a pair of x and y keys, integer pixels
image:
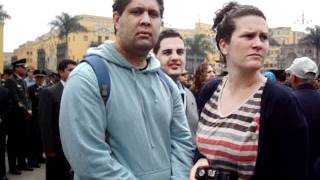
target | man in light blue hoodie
[{"x": 148, "y": 134}]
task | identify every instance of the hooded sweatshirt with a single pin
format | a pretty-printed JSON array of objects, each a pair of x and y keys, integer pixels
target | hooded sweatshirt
[{"x": 148, "y": 134}]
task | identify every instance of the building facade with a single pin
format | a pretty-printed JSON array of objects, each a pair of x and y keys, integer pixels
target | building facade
[{"x": 48, "y": 50}]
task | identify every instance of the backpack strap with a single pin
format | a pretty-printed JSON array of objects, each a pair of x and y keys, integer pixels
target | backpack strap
[{"x": 102, "y": 73}]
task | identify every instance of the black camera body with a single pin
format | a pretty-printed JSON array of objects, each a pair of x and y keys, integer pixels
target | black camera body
[{"x": 209, "y": 173}]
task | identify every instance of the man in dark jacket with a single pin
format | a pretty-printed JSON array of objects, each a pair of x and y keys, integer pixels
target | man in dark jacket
[
  {"x": 35, "y": 138},
  {"x": 20, "y": 112},
  {"x": 57, "y": 167},
  {"x": 4, "y": 101},
  {"x": 303, "y": 73}
]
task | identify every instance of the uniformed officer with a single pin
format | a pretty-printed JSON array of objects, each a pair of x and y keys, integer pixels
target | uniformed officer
[
  {"x": 7, "y": 73},
  {"x": 35, "y": 138},
  {"x": 18, "y": 120},
  {"x": 4, "y": 101}
]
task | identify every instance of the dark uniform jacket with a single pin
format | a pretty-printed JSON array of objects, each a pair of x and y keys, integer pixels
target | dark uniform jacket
[
  {"x": 4, "y": 103},
  {"x": 49, "y": 107},
  {"x": 34, "y": 93},
  {"x": 309, "y": 99},
  {"x": 19, "y": 95}
]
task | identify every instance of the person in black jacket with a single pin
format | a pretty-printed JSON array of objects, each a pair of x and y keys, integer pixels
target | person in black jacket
[
  {"x": 303, "y": 73},
  {"x": 57, "y": 167},
  {"x": 20, "y": 112},
  {"x": 4, "y": 103},
  {"x": 35, "y": 138},
  {"x": 249, "y": 126}
]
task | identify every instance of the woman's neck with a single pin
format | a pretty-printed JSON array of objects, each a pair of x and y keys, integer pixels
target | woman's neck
[{"x": 238, "y": 80}]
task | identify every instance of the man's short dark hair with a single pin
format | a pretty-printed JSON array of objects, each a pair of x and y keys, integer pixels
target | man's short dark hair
[
  {"x": 120, "y": 5},
  {"x": 168, "y": 33},
  {"x": 64, "y": 64}
]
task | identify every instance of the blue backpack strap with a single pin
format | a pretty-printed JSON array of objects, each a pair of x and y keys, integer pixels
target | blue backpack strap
[{"x": 102, "y": 73}]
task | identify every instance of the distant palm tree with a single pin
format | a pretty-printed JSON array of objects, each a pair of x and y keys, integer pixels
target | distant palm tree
[
  {"x": 66, "y": 24},
  {"x": 313, "y": 39},
  {"x": 199, "y": 46},
  {"x": 3, "y": 14}
]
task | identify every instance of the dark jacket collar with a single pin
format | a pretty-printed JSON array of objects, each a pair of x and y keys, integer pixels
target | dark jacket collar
[{"x": 306, "y": 86}]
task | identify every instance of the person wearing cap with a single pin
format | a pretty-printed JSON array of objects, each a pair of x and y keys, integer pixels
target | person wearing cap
[
  {"x": 20, "y": 111},
  {"x": 35, "y": 138},
  {"x": 303, "y": 73},
  {"x": 171, "y": 52}
]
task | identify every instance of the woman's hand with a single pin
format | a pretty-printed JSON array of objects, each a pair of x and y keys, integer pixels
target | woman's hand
[{"x": 200, "y": 163}]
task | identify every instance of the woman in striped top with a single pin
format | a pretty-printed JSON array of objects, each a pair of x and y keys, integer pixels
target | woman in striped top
[{"x": 248, "y": 125}]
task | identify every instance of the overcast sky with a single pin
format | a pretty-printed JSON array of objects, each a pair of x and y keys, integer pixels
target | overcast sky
[{"x": 29, "y": 19}]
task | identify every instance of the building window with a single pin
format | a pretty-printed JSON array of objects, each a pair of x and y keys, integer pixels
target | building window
[
  {"x": 99, "y": 39},
  {"x": 74, "y": 38},
  {"x": 106, "y": 38},
  {"x": 85, "y": 38}
]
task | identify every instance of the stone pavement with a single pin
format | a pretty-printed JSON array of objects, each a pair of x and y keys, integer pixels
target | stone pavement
[{"x": 36, "y": 174}]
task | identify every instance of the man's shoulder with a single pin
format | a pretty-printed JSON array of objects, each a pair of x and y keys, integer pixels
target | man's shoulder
[
  {"x": 3, "y": 91},
  {"x": 189, "y": 93},
  {"x": 277, "y": 90}
]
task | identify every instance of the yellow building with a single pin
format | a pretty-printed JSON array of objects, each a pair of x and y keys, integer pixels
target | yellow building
[
  {"x": 202, "y": 28},
  {"x": 44, "y": 51},
  {"x": 271, "y": 61},
  {"x": 285, "y": 35}
]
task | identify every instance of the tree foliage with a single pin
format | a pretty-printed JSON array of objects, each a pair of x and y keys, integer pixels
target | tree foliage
[
  {"x": 313, "y": 39},
  {"x": 3, "y": 14},
  {"x": 66, "y": 24},
  {"x": 200, "y": 45}
]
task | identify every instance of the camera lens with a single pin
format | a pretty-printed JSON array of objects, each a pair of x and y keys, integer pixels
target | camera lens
[{"x": 202, "y": 172}]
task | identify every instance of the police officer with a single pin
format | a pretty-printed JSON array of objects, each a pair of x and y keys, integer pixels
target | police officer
[
  {"x": 35, "y": 138},
  {"x": 18, "y": 120},
  {"x": 4, "y": 100}
]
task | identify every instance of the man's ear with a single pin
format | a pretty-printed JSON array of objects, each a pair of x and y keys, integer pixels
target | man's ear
[
  {"x": 224, "y": 47},
  {"x": 116, "y": 17}
]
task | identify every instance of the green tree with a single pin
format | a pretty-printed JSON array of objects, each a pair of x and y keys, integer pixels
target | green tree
[
  {"x": 66, "y": 24},
  {"x": 199, "y": 46},
  {"x": 3, "y": 14},
  {"x": 313, "y": 39}
]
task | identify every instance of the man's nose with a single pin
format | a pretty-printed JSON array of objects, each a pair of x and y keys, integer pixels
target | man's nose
[{"x": 145, "y": 19}]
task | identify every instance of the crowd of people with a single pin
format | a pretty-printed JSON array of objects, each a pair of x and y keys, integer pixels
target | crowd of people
[
  {"x": 30, "y": 101},
  {"x": 144, "y": 117}
]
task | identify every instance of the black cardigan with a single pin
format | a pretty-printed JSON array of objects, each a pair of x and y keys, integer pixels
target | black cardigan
[{"x": 283, "y": 136}]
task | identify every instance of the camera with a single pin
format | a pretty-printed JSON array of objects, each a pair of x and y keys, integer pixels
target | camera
[{"x": 209, "y": 173}]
